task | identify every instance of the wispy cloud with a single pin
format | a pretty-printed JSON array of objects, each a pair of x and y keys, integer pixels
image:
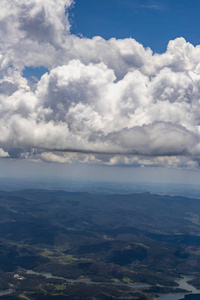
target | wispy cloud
[
  {"x": 152, "y": 6},
  {"x": 133, "y": 5}
]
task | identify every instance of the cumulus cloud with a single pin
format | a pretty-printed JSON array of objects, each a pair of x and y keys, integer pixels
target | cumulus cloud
[
  {"x": 3, "y": 153},
  {"x": 32, "y": 31},
  {"x": 110, "y": 102}
]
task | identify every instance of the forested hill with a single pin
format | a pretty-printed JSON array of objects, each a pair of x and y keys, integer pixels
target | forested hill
[{"x": 103, "y": 237}]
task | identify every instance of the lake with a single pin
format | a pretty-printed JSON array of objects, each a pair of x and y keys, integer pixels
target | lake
[{"x": 183, "y": 285}]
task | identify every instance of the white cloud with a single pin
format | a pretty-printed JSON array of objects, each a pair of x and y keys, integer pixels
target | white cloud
[
  {"x": 3, "y": 153},
  {"x": 32, "y": 31},
  {"x": 110, "y": 102}
]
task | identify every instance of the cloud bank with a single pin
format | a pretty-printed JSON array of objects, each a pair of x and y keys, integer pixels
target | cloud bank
[{"x": 102, "y": 101}]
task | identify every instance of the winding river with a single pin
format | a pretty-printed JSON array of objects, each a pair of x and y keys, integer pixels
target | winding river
[
  {"x": 5, "y": 292},
  {"x": 183, "y": 285},
  {"x": 182, "y": 282},
  {"x": 88, "y": 281}
]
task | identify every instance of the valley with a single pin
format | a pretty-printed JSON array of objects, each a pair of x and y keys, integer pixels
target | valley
[{"x": 97, "y": 246}]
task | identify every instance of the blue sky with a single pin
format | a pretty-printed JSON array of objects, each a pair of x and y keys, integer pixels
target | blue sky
[{"x": 152, "y": 23}]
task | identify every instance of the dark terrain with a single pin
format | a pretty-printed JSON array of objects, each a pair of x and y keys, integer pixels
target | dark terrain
[{"x": 108, "y": 239}]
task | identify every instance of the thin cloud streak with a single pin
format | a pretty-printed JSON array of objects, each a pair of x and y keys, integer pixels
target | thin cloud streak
[{"x": 152, "y": 6}]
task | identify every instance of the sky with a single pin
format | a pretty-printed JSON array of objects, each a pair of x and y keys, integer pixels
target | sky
[
  {"x": 151, "y": 23},
  {"x": 100, "y": 89}
]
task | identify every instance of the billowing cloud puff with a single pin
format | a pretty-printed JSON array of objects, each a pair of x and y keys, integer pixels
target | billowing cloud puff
[
  {"x": 32, "y": 31},
  {"x": 3, "y": 153},
  {"x": 110, "y": 102}
]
